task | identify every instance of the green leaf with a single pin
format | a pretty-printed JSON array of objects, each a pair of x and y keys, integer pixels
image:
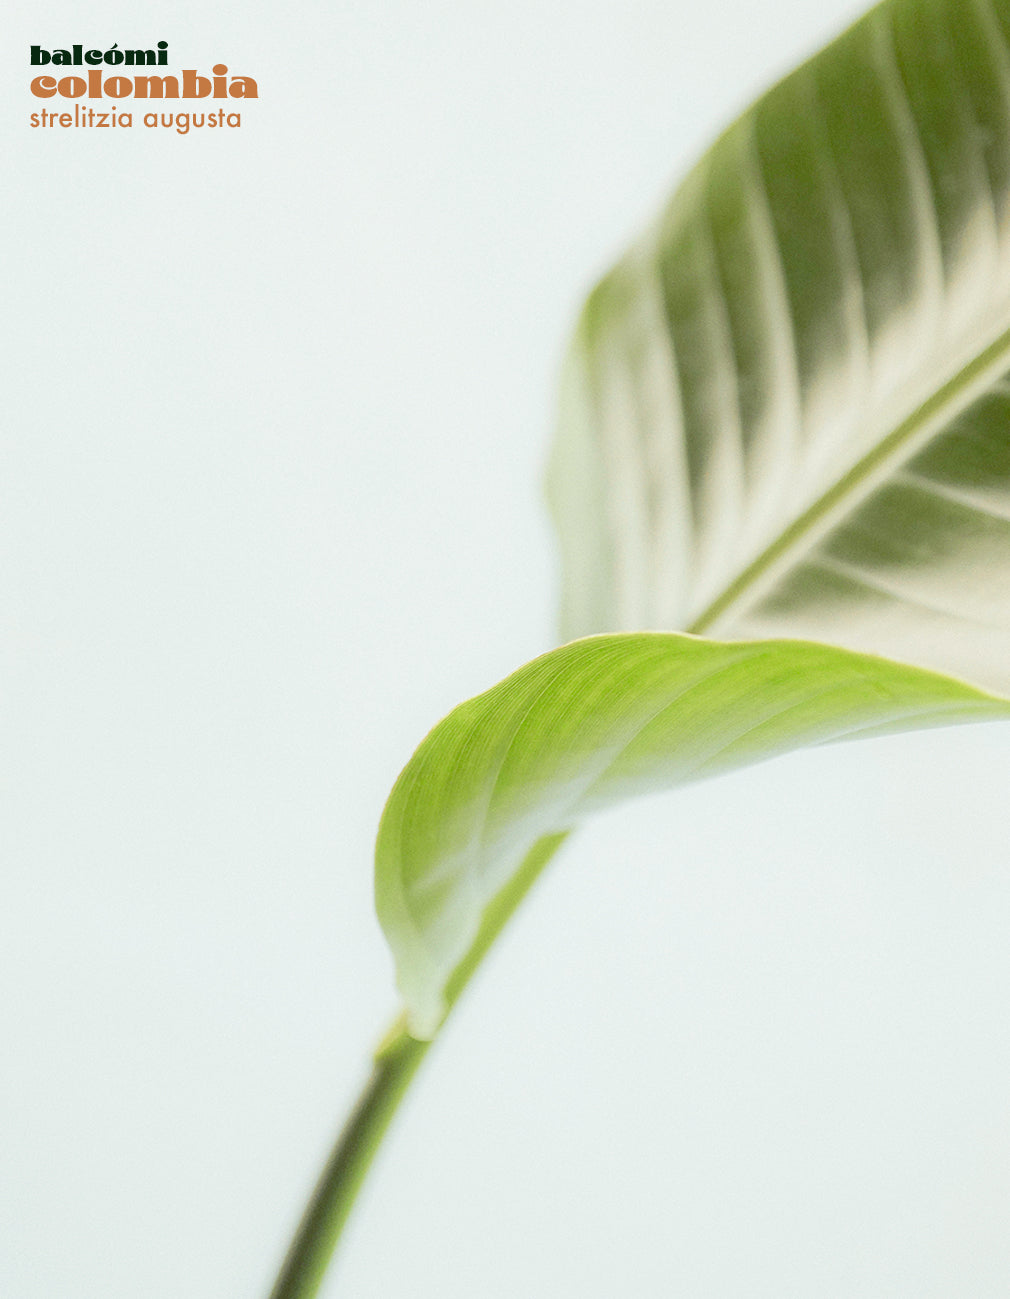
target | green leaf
[
  {"x": 786, "y": 411},
  {"x": 590, "y": 724}
]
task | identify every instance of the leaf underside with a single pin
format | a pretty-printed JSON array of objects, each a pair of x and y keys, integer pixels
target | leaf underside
[{"x": 785, "y": 414}]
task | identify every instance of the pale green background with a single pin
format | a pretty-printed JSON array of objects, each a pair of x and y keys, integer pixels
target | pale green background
[{"x": 276, "y": 408}]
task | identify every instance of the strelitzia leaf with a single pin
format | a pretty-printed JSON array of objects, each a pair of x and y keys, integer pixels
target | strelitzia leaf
[
  {"x": 592, "y": 723},
  {"x": 787, "y": 410},
  {"x": 786, "y": 413}
]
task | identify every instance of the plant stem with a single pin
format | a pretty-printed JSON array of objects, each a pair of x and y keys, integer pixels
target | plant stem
[
  {"x": 396, "y": 1061},
  {"x": 333, "y": 1198}
]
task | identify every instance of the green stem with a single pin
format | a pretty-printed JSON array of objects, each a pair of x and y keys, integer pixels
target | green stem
[
  {"x": 396, "y": 1062},
  {"x": 332, "y": 1200}
]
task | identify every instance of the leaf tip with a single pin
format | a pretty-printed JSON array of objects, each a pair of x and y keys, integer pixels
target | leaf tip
[{"x": 424, "y": 1016}]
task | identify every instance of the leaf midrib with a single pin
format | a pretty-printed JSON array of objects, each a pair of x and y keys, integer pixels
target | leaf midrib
[{"x": 843, "y": 498}]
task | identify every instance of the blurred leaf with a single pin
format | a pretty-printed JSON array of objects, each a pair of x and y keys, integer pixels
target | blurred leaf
[
  {"x": 785, "y": 414},
  {"x": 786, "y": 411}
]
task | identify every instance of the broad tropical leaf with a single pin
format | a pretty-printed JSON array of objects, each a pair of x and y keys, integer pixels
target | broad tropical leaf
[
  {"x": 787, "y": 410},
  {"x": 589, "y": 724},
  {"x": 786, "y": 413}
]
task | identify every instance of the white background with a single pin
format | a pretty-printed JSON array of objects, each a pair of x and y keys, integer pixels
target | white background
[{"x": 276, "y": 409}]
